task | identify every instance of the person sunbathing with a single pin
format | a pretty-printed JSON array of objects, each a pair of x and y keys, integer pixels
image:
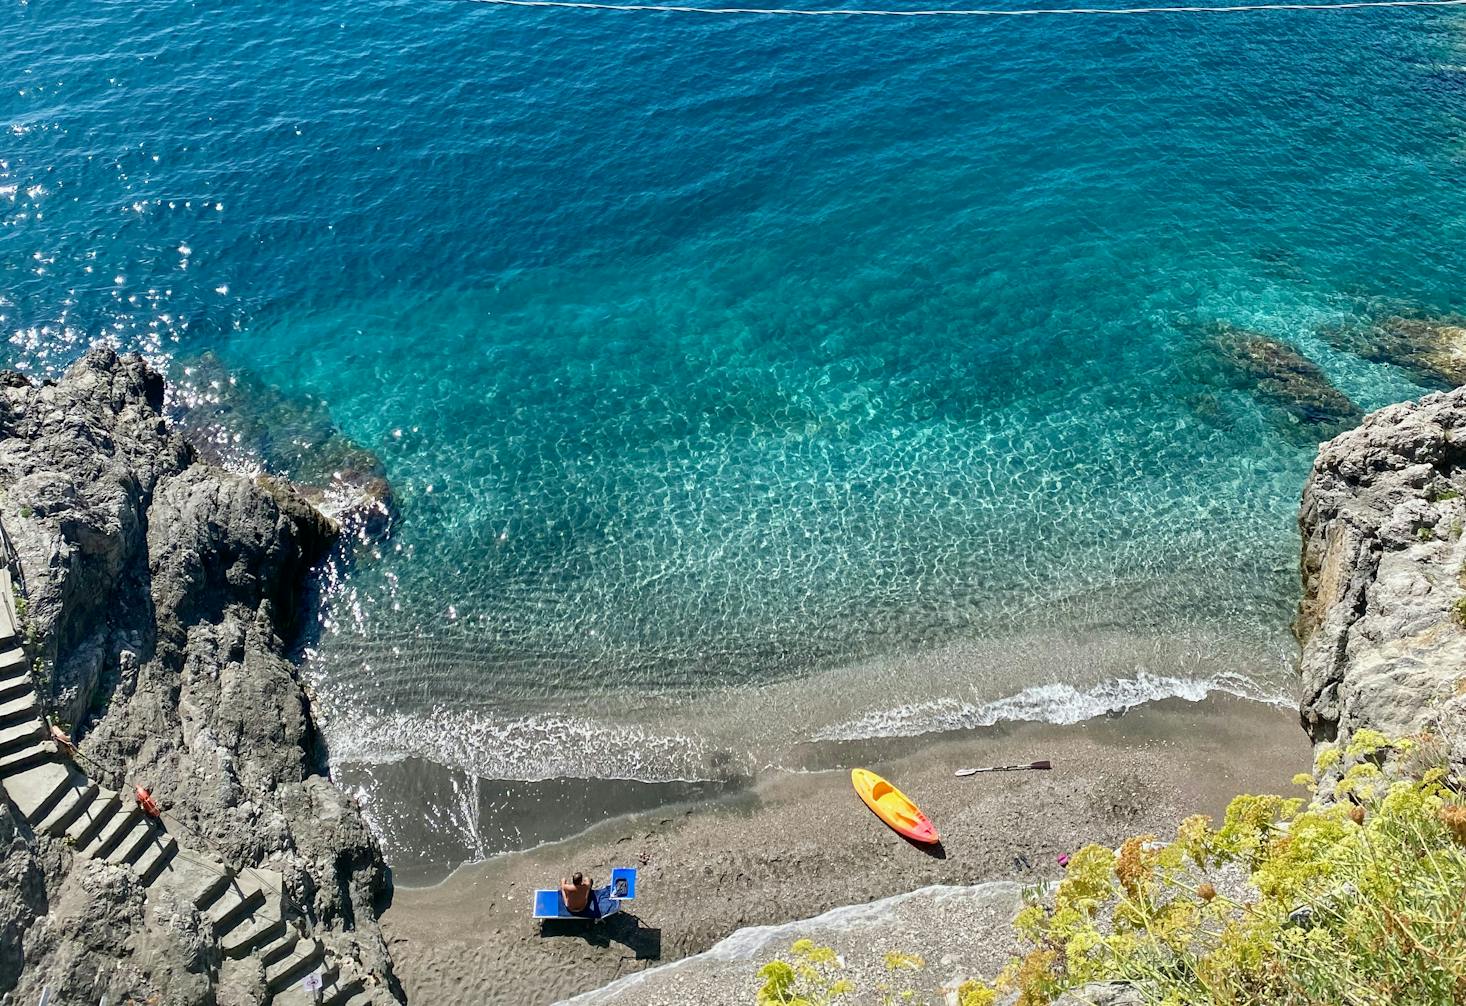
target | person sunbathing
[{"x": 576, "y": 893}]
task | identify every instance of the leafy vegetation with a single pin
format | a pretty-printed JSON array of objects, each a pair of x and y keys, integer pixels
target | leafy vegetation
[
  {"x": 1352, "y": 895},
  {"x": 811, "y": 978}
]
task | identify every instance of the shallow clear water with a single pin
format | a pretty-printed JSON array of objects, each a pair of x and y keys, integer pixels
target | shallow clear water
[{"x": 748, "y": 381}]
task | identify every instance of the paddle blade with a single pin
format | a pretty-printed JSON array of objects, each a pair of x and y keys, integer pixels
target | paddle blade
[{"x": 964, "y": 772}]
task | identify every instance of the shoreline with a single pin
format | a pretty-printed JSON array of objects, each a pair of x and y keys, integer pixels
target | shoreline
[
  {"x": 747, "y": 858},
  {"x": 465, "y": 801},
  {"x": 817, "y": 757}
]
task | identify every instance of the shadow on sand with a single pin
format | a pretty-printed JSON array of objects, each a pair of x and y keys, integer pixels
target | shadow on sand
[
  {"x": 623, "y": 928},
  {"x": 933, "y": 849}
]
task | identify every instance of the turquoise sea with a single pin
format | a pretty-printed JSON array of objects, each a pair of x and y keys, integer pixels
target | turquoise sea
[{"x": 744, "y": 382}]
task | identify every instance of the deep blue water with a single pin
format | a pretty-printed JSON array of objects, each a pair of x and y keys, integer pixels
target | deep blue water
[{"x": 744, "y": 380}]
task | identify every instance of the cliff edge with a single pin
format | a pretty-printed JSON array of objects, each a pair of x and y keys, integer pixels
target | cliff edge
[
  {"x": 1383, "y": 614},
  {"x": 156, "y": 600}
]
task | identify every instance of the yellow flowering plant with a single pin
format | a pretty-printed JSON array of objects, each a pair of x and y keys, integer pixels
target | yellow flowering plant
[
  {"x": 811, "y": 978},
  {"x": 1356, "y": 897}
]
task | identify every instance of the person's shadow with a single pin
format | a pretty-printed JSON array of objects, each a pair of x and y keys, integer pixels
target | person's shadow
[{"x": 623, "y": 928}]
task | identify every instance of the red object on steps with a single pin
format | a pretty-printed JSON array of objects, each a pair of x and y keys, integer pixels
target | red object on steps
[{"x": 146, "y": 802}]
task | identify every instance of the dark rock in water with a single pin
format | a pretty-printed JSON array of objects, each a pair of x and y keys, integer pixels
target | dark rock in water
[
  {"x": 1383, "y": 614},
  {"x": 1433, "y": 350},
  {"x": 1307, "y": 406},
  {"x": 235, "y": 419},
  {"x": 162, "y": 596}
]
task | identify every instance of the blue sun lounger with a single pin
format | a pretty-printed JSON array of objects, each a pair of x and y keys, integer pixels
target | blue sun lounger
[{"x": 604, "y": 901}]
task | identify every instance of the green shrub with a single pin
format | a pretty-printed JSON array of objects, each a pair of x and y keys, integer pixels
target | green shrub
[
  {"x": 1357, "y": 898},
  {"x": 810, "y": 979},
  {"x": 1357, "y": 901}
]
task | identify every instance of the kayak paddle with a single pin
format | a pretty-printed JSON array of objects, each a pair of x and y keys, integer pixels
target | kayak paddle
[{"x": 1005, "y": 768}]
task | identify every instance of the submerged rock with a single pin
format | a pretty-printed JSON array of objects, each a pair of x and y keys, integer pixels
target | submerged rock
[
  {"x": 235, "y": 420},
  {"x": 161, "y": 596},
  {"x": 1433, "y": 350},
  {"x": 1305, "y": 405},
  {"x": 1383, "y": 614}
]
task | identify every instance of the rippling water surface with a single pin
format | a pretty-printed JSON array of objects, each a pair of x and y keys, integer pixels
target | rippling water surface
[{"x": 746, "y": 382}]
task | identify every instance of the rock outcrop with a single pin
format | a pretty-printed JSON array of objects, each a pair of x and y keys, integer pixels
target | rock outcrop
[
  {"x": 1382, "y": 619},
  {"x": 1287, "y": 381},
  {"x": 234, "y": 419},
  {"x": 1294, "y": 392},
  {"x": 1432, "y": 350},
  {"x": 159, "y": 599}
]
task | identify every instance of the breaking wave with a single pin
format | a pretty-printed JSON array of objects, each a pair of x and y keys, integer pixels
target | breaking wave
[
  {"x": 528, "y": 748},
  {"x": 1057, "y": 703}
]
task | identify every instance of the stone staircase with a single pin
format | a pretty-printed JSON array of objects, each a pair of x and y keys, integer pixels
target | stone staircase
[{"x": 251, "y": 920}]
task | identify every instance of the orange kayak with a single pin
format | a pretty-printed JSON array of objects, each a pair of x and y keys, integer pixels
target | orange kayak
[{"x": 893, "y": 806}]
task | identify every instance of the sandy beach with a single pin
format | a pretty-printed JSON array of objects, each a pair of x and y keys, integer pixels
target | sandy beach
[{"x": 794, "y": 845}]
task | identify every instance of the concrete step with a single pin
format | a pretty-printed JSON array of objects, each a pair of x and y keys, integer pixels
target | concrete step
[
  {"x": 264, "y": 924},
  {"x": 14, "y": 666},
  {"x": 23, "y": 707},
  {"x": 105, "y": 840},
  {"x": 240, "y": 898},
  {"x": 20, "y": 759},
  {"x": 280, "y": 947},
  {"x": 37, "y": 790},
  {"x": 297, "y": 996},
  {"x": 339, "y": 994},
  {"x": 155, "y": 857},
  {"x": 16, "y": 685},
  {"x": 222, "y": 878},
  {"x": 12, "y": 656},
  {"x": 304, "y": 959},
  {"x": 336, "y": 990},
  {"x": 130, "y": 847},
  {"x": 92, "y": 820},
  {"x": 77, "y": 793},
  {"x": 197, "y": 877},
  {"x": 343, "y": 987},
  {"x": 23, "y": 734},
  {"x": 259, "y": 931}
]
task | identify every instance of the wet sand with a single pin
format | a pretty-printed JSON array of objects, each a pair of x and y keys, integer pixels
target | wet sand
[{"x": 793, "y": 845}]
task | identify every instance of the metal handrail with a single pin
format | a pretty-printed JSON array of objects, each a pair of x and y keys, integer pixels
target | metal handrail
[{"x": 12, "y": 558}]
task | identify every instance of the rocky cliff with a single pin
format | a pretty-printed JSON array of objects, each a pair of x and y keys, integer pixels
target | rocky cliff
[
  {"x": 158, "y": 600},
  {"x": 1383, "y": 615}
]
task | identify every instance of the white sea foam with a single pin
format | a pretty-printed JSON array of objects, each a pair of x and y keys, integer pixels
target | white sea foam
[
  {"x": 536, "y": 747},
  {"x": 530, "y": 747},
  {"x": 1056, "y": 703}
]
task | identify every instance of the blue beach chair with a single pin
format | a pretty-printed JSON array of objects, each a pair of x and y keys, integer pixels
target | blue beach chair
[{"x": 604, "y": 901}]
